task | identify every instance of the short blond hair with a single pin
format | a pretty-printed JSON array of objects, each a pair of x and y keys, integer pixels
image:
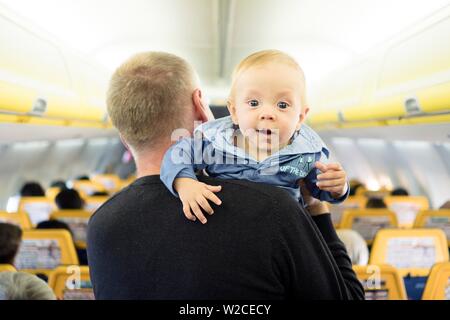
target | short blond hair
[
  {"x": 148, "y": 96},
  {"x": 261, "y": 58}
]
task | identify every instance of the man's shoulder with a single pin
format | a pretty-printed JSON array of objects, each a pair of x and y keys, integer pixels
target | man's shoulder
[{"x": 247, "y": 190}]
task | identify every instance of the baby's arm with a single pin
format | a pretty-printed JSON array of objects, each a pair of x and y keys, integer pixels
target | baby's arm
[
  {"x": 195, "y": 195},
  {"x": 178, "y": 175}
]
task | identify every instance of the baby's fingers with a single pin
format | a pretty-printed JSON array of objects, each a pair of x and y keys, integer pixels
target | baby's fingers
[
  {"x": 187, "y": 211},
  {"x": 203, "y": 203},
  {"x": 211, "y": 196},
  {"x": 197, "y": 212},
  {"x": 213, "y": 188}
]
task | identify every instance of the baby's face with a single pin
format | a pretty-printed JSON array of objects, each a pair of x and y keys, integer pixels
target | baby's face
[{"x": 267, "y": 105}]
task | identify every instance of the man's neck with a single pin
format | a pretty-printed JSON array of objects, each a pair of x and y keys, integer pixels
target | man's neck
[{"x": 148, "y": 163}]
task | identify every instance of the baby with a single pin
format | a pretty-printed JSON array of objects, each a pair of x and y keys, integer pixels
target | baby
[{"x": 264, "y": 140}]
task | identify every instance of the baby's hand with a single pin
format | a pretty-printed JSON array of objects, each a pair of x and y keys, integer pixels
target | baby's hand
[
  {"x": 332, "y": 179},
  {"x": 195, "y": 195}
]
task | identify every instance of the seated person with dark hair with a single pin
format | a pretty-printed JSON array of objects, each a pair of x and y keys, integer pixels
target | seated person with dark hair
[
  {"x": 69, "y": 199},
  {"x": 10, "y": 239},
  {"x": 83, "y": 178},
  {"x": 100, "y": 194},
  {"x": 376, "y": 203},
  {"x": 58, "y": 184},
  {"x": 56, "y": 224},
  {"x": 399, "y": 192},
  {"x": 32, "y": 189}
]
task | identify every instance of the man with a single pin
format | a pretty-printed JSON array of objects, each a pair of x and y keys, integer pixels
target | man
[{"x": 259, "y": 244}]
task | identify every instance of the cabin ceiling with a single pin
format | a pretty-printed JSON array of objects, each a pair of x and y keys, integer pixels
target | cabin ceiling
[{"x": 214, "y": 35}]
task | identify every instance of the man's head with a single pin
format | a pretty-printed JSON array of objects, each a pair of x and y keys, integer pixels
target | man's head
[
  {"x": 10, "y": 239},
  {"x": 151, "y": 95}
]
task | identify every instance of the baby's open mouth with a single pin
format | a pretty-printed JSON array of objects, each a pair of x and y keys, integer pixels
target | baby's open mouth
[{"x": 265, "y": 131}]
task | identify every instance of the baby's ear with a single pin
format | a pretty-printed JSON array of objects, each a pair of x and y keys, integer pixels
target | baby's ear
[
  {"x": 232, "y": 110},
  {"x": 302, "y": 117}
]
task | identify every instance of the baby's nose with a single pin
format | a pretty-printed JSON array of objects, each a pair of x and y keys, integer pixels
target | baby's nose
[{"x": 267, "y": 116}]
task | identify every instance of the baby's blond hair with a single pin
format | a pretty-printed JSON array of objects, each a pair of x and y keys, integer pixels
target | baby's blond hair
[{"x": 261, "y": 58}]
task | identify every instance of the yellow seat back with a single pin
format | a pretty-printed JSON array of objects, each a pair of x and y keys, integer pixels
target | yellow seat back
[
  {"x": 411, "y": 251},
  {"x": 7, "y": 267},
  {"x": 337, "y": 210},
  {"x": 37, "y": 208},
  {"x": 110, "y": 182},
  {"x": 93, "y": 203},
  {"x": 381, "y": 282},
  {"x": 42, "y": 251},
  {"x": 438, "y": 283},
  {"x": 77, "y": 221},
  {"x": 85, "y": 187},
  {"x": 367, "y": 222},
  {"x": 71, "y": 283},
  {"x": 439, "y": 219},
  {"x": 19, "y": 219},
  {"x": 406, "y": 208}
]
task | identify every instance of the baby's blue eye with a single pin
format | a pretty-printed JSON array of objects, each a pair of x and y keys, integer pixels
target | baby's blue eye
[
  {"x": 282, "y": 105},
  {"x": 253, "y": 103}
]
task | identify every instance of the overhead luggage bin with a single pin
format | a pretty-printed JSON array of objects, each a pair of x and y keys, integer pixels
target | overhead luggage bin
[{"x": 41, "y": 79}]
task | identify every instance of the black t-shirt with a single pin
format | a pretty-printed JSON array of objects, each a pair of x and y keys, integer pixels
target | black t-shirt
[{"x": 259, "y": 244}]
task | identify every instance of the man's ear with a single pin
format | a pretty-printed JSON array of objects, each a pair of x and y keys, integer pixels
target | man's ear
[
  {"x": 232, "y": 110},
  {"x": 202, "y": 110},
  {"x": 302, "y": 117}
]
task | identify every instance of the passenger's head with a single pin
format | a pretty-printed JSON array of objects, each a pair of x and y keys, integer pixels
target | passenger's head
[
  {"x": 69, "y": 199},
  {"x": 445, "y": 205},
  {"x": 355, "y": 185},
  {"x": 53, "y": 224},
  {"x": 399, "y": 192},
  {"x": 355, "y": 245},
  {"x": 23, "y": 286},
  {"x": 58, "y": 184},
  {"x": 10, "y": 239},
  {"x": 32, "y": 189},
  {"x": 151, "y": 95},
  {"x": 268, "y": 92},
  {"x": 376, "y": 203},
  {"x": 83, "y": 177}
]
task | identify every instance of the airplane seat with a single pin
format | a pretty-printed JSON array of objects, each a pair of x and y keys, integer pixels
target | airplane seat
[
  {"x": 381, "y": 282},
  {"x": 42, "y": 251},
  {"x": 19, "y": 219},
  {"x": 71, "y": 283},
  {"x": 413, "y": 252},
  {"x": 367, "y": 222}
]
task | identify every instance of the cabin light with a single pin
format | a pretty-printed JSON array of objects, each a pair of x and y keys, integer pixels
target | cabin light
[
  {"x": 372, "y": 185},
  {"x": 30, "y": 145},
  {"x": 70, "y": 143}
]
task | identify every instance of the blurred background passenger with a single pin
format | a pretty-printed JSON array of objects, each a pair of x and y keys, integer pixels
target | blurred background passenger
[
  {"x": 24, "y": 286},
  {"x": 57, "y": 224},
  {"x": 58, "y": 184},
  {"x": 354, "y": 186},
  {"x": 69, "y": 199},
  {"x": 399, "y": 192},
  {"x": 10, "y": 240},
  {"x": 83, "y": 177},
  {"x": 376, "y": 203},
  {"x": 446, "y": 205},
  {"x": 356, "y": 246},
  {"x": 32, "y": 189}
]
